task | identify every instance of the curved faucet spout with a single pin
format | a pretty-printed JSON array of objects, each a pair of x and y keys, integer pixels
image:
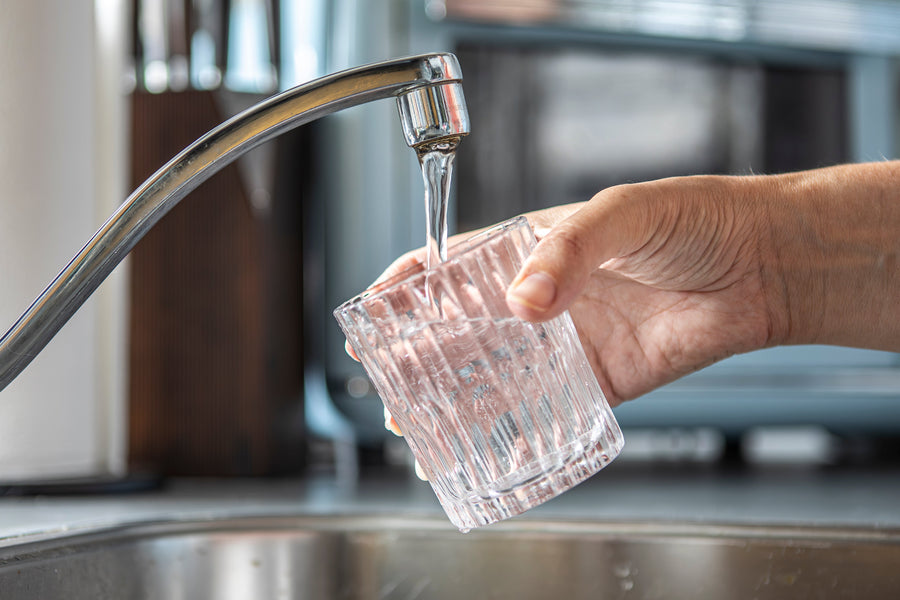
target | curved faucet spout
[{"x": 431, "y": 108}]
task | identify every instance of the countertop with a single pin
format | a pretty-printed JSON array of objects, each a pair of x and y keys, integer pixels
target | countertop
[{"x": 829, "y": 497}]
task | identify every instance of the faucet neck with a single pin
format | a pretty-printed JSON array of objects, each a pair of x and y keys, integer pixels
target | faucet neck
[{"x": 431, "y": 107}]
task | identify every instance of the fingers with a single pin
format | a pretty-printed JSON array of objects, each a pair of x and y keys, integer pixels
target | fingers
[
  {"x": 544, "y": 220},
  {"x": 417, "y": 257},
  {"x": 558, "y": 269},
  {"x": 391, "y": 425},
  {"x": 405, "y": 262},
  {"x": 420, "y": 472}
]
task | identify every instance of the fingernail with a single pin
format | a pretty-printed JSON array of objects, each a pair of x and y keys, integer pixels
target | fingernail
[
  {"x": 536, "y": 292},
  {"x": 420, "y": 472},
  {"x": 390, "y": 424}
]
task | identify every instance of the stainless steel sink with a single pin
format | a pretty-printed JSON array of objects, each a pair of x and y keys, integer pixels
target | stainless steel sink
[{"x": 375, "y": 557}]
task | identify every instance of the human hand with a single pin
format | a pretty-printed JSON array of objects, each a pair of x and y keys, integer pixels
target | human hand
[
  {"x": 666, "y": 277},
  {"x": 660, "y": 278}
]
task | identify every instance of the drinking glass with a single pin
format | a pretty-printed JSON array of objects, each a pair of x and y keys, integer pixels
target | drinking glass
[{"x": 501, "y": 414}]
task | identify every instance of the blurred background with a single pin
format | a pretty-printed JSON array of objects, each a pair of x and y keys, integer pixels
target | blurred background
[{"x": 212, "y": 350}]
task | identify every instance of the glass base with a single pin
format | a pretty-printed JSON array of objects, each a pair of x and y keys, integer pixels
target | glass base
[{"x": 571, "y": 465}]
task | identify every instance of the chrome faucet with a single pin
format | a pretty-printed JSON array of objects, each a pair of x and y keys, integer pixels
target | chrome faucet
[{"x": 432, "y": 110}]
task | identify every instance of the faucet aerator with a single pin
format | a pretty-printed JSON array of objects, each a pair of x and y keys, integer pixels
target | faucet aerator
[{"x": 434, "y": 113}]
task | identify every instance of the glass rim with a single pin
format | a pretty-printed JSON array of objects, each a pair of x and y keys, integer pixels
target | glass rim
[{"x": 453, "y": 255}]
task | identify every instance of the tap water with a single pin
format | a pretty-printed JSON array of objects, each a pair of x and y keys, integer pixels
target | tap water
[
  {"x": 511, "y": 414},
  {"x": 436, "y": 160}
]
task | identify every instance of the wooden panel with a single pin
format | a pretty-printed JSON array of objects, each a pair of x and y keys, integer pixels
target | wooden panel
[{"x": 216, "y": 377}]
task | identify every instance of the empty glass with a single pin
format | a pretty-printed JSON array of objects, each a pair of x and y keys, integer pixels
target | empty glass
[{"x": 501, "y": 414}]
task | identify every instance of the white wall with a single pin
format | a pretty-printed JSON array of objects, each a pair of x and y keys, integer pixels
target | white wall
[{"x": 63, "y": 161}]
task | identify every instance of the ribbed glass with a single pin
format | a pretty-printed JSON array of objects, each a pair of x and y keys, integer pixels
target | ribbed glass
[{"x": 502, "y": 414}]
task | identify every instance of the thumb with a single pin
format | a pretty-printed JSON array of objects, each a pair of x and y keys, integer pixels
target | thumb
[{"x": 608, "y": 226}]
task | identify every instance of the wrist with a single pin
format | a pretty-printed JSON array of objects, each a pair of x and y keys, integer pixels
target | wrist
[{"x": 830, "y": 256}]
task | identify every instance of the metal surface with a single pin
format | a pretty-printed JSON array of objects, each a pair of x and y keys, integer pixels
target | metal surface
[
  {"x": 363, "y": 558},
  {"x": 155, "y": 197},
  {"x": 433, "y": 113}
]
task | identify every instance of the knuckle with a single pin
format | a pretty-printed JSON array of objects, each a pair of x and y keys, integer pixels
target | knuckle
[{"x": 570, "y": 242}]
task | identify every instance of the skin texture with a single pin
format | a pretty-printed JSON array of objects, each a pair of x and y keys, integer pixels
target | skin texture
[{"x": 666, "y": 277}]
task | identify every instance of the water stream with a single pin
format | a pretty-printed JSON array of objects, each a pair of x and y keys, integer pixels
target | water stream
[{"x": 436, "y": 160}]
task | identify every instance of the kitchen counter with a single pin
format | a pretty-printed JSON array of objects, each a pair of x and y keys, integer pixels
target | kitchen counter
[{"x": 832, "y": 497}]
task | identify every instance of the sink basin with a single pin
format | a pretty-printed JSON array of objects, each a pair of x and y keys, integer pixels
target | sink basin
[{"x": 362, "y": 558}]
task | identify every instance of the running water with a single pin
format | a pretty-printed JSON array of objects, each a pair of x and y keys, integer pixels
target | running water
[{"x": 436, "y": 160}]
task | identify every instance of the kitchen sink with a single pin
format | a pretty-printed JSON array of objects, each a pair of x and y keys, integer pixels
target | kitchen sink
[{"x": 375, "y": 557}]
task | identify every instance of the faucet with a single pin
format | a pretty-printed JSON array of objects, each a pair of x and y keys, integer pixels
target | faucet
[{"x": 432, "y": 111}]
